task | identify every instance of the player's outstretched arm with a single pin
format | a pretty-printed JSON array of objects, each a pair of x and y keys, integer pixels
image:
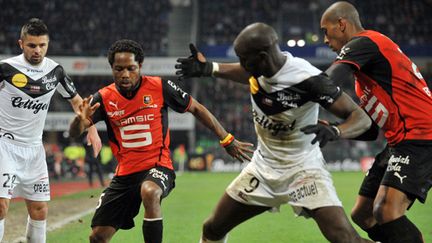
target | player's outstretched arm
[
  {"x": 82, "y": 120},
  {"x": 93, "y": 137},
  {"x": 196, "y": 65},
  {"x": 356, "y": 122},
  {"x": 237, "y": 149}
]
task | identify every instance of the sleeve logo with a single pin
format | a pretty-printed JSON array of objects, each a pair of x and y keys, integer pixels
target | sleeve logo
[{"x": 19, "y": 80}]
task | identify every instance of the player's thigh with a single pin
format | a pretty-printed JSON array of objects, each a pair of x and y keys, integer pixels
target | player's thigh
[
  {"x": 162, "y": 177},
  {"x": 33, "y": 175},
  {"x": 8, "y": 169},
  {"x": 372, "y": 180},
  {"x": 409, "y": 170}
]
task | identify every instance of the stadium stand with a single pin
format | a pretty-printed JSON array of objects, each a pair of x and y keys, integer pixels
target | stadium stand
[
  {"x": 87, "y": 28},
  {"x": 298, "y": 19}
]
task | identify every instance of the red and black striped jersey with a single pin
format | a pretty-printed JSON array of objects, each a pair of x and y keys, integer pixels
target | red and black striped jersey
[
  {"x": 138, "y": 127},
  {"x": 390, "y": 87}
]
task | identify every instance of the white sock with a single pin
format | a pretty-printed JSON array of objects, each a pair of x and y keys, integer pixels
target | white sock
[
  {"x": 1, "y": 229},
  {"x": 223, "y": 240},
  {"x": 36, "y": 231}
]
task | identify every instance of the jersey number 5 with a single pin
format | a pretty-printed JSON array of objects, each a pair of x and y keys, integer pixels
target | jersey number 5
[
  {"x": 379, "y": 110},
  {"x": 145, "y": 137}
]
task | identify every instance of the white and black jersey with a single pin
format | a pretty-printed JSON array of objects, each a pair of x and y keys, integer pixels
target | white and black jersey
[
  {"x": 25, "y": 95},
  {"x": 285, "y": 103}
]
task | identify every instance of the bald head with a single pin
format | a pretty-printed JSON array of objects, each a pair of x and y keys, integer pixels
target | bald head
[
  {"x": 343, "y": 10},
  {"x": 257, "y": 37},
  {"x": 258, "y": 50}
]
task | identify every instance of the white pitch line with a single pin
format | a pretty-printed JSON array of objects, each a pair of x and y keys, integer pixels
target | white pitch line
[{"x": 59, "y": 224}]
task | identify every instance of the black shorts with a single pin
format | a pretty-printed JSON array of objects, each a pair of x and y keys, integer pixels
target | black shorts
[
  {"x": 120, "y": 202},
  {"x": 406, "y": 166}
]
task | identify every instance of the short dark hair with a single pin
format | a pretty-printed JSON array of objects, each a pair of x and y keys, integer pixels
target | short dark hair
[
  {"x": 126, "y": 45},
  {"x": 34, "y": 27}
]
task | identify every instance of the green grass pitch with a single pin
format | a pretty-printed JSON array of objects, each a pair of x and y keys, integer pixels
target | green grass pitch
[{"x": 195, "y": 196}]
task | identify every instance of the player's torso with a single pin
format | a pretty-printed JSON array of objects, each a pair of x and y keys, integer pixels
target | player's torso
[
  {"x": 394, "y": 93},
  {"x": 25, "y": 94},
  {"x": 139, "y": 127},
  {"x": 278, "y": 114}
]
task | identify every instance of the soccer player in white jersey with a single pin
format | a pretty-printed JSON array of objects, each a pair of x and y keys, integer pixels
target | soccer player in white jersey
[
  {"x": 287, "y": 166},
  {"x": 27, "y": 83}
]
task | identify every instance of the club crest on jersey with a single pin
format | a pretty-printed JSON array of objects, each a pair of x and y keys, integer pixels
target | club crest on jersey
[
  {"x": 148, "y": 102},
  {"x": 19, "y": 80},
  {"x": 147, "y": 99}
]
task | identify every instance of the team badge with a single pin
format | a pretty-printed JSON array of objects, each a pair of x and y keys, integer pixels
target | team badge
[
  {"x": 147, "y": 99},
  {"x": 19, "y": 80}
]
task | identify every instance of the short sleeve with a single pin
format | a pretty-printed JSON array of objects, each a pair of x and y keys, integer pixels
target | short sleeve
[
  {"x": 65, "y": 87},
  {"x": 358, "y": 52},
  {"x": 320, "y": 89},
  {"x": 175, "y": 97}
]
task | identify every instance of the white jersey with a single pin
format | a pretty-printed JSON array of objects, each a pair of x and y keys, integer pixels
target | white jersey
[
  {"x": 281, "y": 106},
  {"x": 25, "y": 95}
]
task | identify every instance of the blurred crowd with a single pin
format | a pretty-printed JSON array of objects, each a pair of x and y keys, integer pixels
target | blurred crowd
[
  {"x": 404, "y": 21},
  {"x": 88, "y": 28}
]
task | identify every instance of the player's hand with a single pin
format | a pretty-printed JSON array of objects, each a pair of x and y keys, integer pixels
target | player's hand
[
  {"x": 195, "y": 65},
  {"x": 94, "y": 140},
  {"x": 324, "y": 133},
  {"x": 85, "y": 109},
  {"x": 240, "y": 150}
]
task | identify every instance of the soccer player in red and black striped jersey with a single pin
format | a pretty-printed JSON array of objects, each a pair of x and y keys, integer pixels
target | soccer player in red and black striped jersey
[
  {"x": 135, "y": 110},
  {"x": 399, "y": 101}
]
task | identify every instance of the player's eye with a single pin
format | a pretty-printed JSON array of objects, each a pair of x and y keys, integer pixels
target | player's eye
[
  {"x": 324, "y": 31},
  {"x": 132, "y": 68}
]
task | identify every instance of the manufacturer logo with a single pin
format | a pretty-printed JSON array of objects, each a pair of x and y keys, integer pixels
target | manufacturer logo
[
  {"x": 19, "y": 80},
  {"x": 113, "y": 104},
  {"x": 343, "y": 52},
  {"x": 400, "y": 177},
  {"x": 177, "y": 88}
]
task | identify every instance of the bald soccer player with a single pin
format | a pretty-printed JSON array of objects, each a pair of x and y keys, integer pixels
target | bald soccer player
[
  {"x": 398, "y": 99},
  {"x": 287, "y": 166}
]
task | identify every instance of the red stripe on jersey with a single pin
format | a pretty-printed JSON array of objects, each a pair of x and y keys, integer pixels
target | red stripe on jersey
[
  {"x": 408, "y": 109},
  {"x": 137, "y": 126}
]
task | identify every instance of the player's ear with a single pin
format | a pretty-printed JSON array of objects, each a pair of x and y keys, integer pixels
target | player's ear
[
  {"x": 263, "y": 56},
  {"x": 342, "y": 24},
  {"x": 20, "y": 43}
]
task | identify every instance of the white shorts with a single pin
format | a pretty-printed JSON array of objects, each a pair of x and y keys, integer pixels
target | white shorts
[
  {"x": 310, "y": 188},
  {"x": 23, "y": 172}
]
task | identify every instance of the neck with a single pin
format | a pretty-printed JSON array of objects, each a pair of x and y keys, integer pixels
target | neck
[
  {"x": 278, "y": 62},
  {"x": 130, "y": 93}
]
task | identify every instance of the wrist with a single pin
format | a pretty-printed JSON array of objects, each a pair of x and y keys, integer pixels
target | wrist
[
  {"x": 86, "y": 121},
  {"x": 215, "y": 68},
  {"x": 337, "y": 131},
  {"x": 229, "y": 138}
]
